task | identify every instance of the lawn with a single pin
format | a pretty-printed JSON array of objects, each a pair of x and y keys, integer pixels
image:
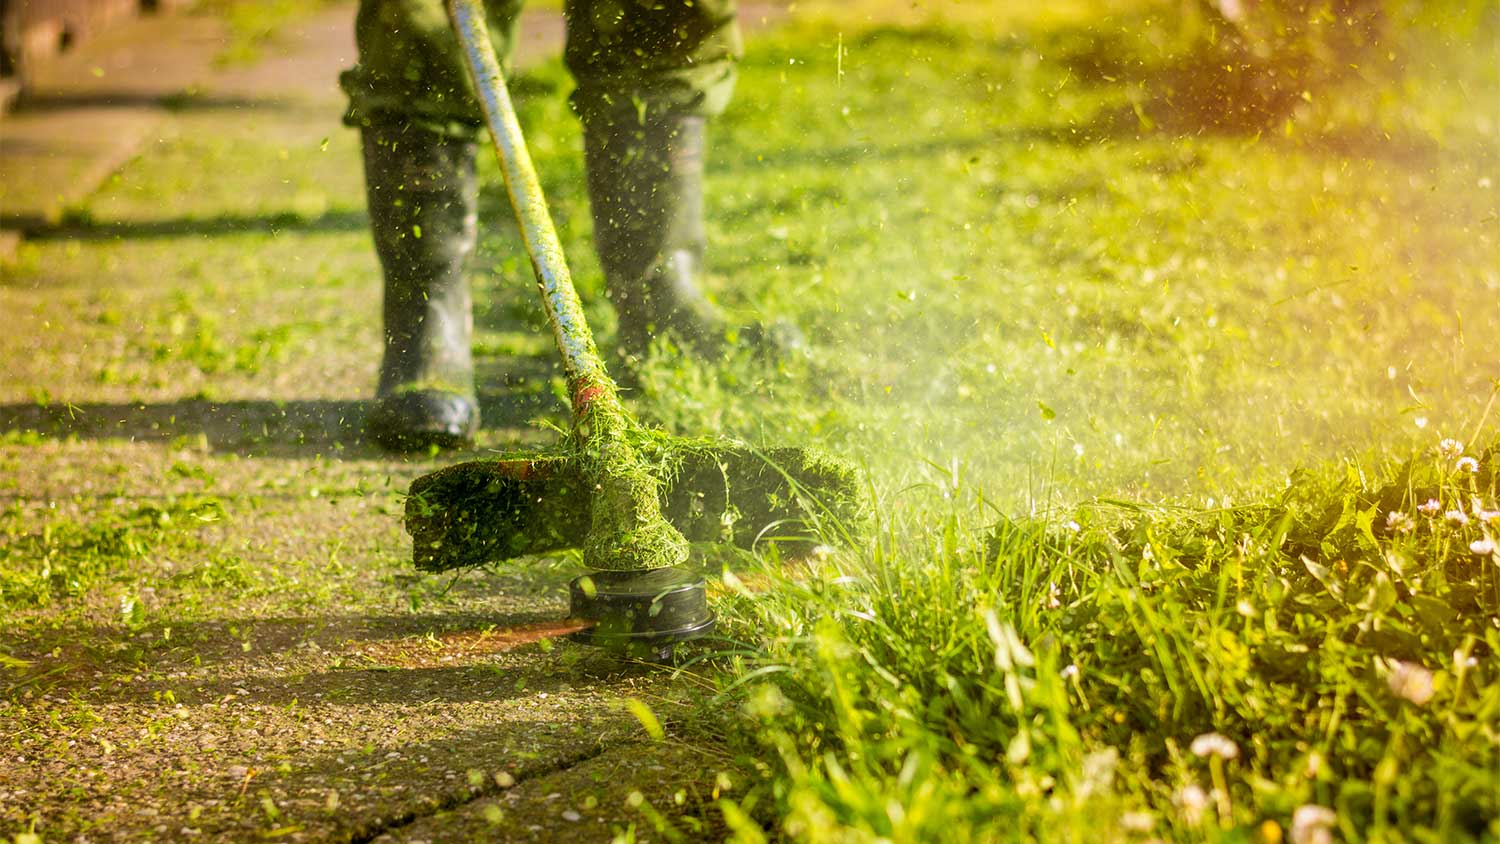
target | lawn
[
  {"x": 1179, "y": 425},
  {"x": 1139, "y": 393}
]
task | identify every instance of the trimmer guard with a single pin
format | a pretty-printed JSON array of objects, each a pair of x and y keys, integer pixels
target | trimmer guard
[{"x": 487, "y": 511}]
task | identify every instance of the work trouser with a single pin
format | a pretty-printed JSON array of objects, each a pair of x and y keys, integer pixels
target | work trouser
[{"x": 629, "y": 58}]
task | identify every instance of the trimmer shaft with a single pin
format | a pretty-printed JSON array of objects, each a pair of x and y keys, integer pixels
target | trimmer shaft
[{"x": 643, "y": 613}]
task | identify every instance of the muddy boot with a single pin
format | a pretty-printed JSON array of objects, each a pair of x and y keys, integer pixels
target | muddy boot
[
  {"x": 421, "y": 193},
  {"x": 646, "y": 191}
]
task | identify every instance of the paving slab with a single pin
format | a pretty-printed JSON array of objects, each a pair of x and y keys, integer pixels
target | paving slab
[
  {"x": 88, "y": 110},
  {"x": 665, "y": 790},
  {"x": 301, "y": 695}
]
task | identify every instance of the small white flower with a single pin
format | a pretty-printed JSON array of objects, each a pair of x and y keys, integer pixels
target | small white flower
[
  {"x": 1457, "y": 518},
  {"x": 1312, "y": 824},
  {"x": 1070, "y": 672},
  {"x": 1482, "y": 547},
  {"x": 1137, "y": 821},
  {"x": 1398, "y": 522},
  {"x": 1450, "y": 449},
  {"x": 1431, "y": 507},
  {"x": 1410, "y": 681},
  {"x": 1232, "y": 10},
  {"x": 1421, "y": 421},
  {"x": 1467, "y": 464},
  {"x": 1073, "y": 526},
  {"x": 1488, "y": 517},
  {"x": 1192, "y": 800},
  {"x": 1054, "y": 596},
  {"x": 1214, "y": 744},
  {"x": 1314, "y": 764}
]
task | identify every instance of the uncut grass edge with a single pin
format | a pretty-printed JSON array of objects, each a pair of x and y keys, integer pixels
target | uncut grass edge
[{"x": 980, "y": 682}]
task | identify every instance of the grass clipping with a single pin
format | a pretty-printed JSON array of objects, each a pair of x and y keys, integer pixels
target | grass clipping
[{"x": 614, "y": 498}]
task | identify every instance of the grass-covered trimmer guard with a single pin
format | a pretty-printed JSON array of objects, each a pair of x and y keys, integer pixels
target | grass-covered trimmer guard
[{"x": 630, "y": 497}]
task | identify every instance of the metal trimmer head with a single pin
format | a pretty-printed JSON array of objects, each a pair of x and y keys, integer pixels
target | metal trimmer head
[{"x": 642, "y": 613}]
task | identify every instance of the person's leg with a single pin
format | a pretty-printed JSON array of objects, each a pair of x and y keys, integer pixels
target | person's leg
[
  {"x": 650, "y": 73},
  {"x": 646, "y": 192},
  {"x": 413, "y": 104},
  {"x": 421, "y": 196}
]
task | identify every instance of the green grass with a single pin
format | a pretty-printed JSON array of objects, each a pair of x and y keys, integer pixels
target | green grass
[
  {"x": 1049, "y": 679},
  {"x": 1086, "y": 352}
]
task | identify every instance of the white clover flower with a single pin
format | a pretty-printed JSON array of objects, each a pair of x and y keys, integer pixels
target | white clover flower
[
  {"x": 1214, "y": 744},
  {"x": 1398, "y": 522},
  {"x": 1467, "y": 464},
  {"x": 1482, "y": 547},
  {"x": 1410, "y": 681},
  {"x": 1312, "y": 824},
  {"x": 1450, "y": 449},
  {"x": 1431, "y": 507},
  {"x": 1457, "y": 518},
  {"x": 1054, "y": 596}
]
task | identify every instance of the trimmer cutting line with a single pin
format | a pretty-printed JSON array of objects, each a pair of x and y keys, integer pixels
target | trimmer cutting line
[{"x": 629, "y": 496}]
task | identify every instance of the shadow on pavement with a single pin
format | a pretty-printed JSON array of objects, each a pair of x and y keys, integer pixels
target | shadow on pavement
[
  {"x": 37, "y": 229},
  {"x": 37, "y": 103},
  {"x": 411, "y": 658},
  {"x": 249, "y": 427}
]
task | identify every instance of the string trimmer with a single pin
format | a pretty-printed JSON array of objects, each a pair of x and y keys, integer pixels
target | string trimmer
[{"x": 630, "y": 497}]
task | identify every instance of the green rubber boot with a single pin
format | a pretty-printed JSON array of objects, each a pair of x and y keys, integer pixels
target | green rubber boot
[
  {"x": 645, "y": 184},
  {"x": 422, "y": 193}
]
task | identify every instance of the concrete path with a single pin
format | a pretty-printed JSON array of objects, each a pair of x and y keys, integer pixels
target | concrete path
[
  {"x": 91, "y": 109},
  {"x": 214, "y": 631}
]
